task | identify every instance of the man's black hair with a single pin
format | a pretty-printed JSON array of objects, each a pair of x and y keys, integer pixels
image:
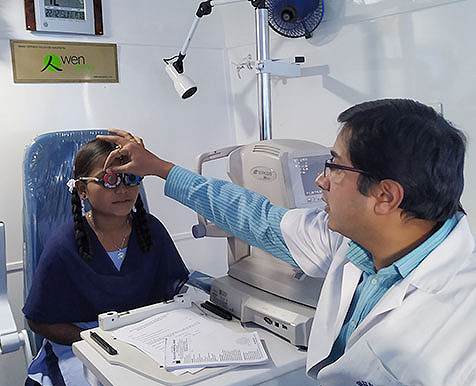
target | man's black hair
[{"x": 408, "y": 142}]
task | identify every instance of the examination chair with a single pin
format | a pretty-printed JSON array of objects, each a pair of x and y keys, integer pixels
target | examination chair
[
  {"x": 47, "y": 167},
  {"x": 10, "y": 338}
]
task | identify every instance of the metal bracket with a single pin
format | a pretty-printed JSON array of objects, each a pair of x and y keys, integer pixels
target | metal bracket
[{"x": 278, "y": 67}]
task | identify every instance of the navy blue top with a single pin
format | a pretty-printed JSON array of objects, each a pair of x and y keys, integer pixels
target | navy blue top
[{"x": 67, "y": 289}]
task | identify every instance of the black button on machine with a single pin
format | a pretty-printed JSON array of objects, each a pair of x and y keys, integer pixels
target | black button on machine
[{"x": 217, "y": 310}]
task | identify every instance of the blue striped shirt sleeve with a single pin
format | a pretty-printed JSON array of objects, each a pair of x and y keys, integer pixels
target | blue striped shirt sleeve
[{"x": 247, "y": 215}]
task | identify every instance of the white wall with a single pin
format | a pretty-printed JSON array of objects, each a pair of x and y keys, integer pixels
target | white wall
[
  {"x": 367, "y": 49},
  {"x": 419, "y": 49},
  {"x": 143, "y": 101}
]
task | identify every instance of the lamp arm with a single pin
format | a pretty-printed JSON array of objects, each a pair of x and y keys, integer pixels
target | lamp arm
[{"x": 204, "y": 9}]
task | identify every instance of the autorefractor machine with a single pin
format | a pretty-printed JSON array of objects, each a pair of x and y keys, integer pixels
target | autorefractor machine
[{"x": 260, "y": 288}]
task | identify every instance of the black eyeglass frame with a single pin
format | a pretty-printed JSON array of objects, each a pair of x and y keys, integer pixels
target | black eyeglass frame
[{"x": 332, "y": 165}]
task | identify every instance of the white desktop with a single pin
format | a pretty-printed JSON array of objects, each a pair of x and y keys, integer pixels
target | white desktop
[{"x": 286, "y": 365}]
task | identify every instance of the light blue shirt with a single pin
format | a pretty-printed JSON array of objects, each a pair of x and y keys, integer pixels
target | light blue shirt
[
  {"x": 373, "y": 285},
  {"x": 71, "y": 367},
  {"x": 249, "y": 216},
  {"x": 115, "y": 257},
  {"x": 252, "y": 218}
]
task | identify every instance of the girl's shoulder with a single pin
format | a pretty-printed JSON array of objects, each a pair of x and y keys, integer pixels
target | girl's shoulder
[
  {"x": 61, "y": 240},
  {"x": 154, "y": 221},
  {"x": 62, "y": 234},
  {"x": 156, "y": 226}
]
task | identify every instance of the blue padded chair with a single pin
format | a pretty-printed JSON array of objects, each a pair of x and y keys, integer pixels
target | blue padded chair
[{"x": 47, "y": 167}]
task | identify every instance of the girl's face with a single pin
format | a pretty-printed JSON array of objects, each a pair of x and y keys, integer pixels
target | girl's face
[{"x": 117, "y": 201}]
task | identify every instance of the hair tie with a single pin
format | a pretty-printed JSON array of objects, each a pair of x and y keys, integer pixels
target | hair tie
[{"x": 70, "y": 184}]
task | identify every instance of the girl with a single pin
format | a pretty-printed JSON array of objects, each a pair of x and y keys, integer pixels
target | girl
[{"x": 115, "y": 257}]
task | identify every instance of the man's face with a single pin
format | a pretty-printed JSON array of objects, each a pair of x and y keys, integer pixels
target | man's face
[{"x": 346, "y": 207}]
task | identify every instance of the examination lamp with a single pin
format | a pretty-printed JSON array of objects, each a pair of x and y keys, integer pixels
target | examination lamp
[
  {"x": 174, "y": 66},
  {"x": 183, "y": 84}
]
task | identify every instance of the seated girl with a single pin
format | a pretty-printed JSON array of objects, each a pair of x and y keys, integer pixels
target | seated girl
[{"x": 114, "y": 257}]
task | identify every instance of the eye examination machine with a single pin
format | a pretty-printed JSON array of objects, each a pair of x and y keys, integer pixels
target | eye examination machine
[{"x": 261, "y": 288}]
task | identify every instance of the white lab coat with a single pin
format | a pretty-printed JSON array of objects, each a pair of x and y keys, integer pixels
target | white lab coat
[{"x": 422, "y": 331}]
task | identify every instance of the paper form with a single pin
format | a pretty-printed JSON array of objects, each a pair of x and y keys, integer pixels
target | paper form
[
  {"x": 212, "y": 350},
  {"x": 149, "y": 335}
]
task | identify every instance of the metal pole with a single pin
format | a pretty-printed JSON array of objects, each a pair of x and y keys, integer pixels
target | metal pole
[{"x": 264, "y": 79}]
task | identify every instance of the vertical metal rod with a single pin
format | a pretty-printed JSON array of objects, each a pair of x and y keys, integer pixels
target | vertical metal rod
[{"x": 263, "y": 79}]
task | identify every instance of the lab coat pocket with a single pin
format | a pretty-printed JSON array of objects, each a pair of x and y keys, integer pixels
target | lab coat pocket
[
  {"x": 379, "y": 371},
  {"x": 359, "y": 366}
]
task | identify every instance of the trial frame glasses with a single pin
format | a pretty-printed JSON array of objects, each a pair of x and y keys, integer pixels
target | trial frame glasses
[{"x": 113, "y": 180}]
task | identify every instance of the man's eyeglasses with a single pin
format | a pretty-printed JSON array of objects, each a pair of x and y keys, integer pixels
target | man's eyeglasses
[
  {"x": 329, "y": 165},
  {"x": 113, "y": 180}
]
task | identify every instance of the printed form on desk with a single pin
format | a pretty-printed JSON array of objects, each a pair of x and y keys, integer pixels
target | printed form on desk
[
  {"x": 149, "y": 335},
  {"x": 211, "y": 351}
]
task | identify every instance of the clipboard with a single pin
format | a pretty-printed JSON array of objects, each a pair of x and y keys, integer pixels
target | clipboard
[
  {"x": 135, "y": 360},
  {"x": 131, "y": 357}
]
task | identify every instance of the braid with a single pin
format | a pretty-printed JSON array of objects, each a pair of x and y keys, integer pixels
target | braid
[
  {"x": 141, "y": 224},
  {"x": 88, "y": 157},
  {"x": 80, "y": 234}
]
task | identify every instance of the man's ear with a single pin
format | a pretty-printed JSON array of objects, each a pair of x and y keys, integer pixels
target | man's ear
[{"x": 388, "y": 196}]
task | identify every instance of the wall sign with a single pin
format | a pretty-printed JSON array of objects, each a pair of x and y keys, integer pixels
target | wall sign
[
  {"x": 64, "y": 16},
  {"x": 49, "y": 62}
]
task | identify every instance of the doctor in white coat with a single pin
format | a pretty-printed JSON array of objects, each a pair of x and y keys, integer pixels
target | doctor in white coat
[{"x": 398, "y": 304}]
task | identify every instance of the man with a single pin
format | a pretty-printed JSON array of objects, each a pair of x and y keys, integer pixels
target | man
[{"x": 398, "y": 305}]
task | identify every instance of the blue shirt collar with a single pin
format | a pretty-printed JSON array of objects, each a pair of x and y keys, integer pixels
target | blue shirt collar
[{"x": 362, "y": 258}]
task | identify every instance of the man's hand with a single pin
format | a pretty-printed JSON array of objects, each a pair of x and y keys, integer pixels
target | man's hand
[{"x": 131, "y": 156}]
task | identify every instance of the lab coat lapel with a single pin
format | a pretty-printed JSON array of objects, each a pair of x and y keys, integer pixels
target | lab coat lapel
[
  {"x": 441, "y": 265},
  {"x": 328, "y": 321},
  {"x": 350, "y": 279},
  {"x": 391, "y": 300},
  {"x": 431, "y": 275}
]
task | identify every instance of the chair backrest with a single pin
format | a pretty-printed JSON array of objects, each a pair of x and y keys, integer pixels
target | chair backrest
[{"x": 47, "y": 167}]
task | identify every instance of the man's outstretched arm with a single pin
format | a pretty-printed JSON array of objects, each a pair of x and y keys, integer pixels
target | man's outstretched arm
[{"x": 247, "y": 215}]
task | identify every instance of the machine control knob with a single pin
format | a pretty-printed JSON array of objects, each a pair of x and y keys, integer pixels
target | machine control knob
[{"x": 199, "y": 231}]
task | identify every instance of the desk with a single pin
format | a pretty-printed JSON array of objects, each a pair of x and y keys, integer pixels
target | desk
[{"x": 286, "y": 365}]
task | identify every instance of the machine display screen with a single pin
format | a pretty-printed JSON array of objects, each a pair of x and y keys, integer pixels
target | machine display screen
[
  {"x": 65, "y": 9},
  {"x": 309, "y": 168}
]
